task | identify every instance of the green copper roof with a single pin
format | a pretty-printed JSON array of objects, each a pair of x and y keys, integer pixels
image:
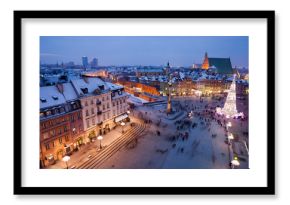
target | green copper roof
[{"x": 223, "y": 65}]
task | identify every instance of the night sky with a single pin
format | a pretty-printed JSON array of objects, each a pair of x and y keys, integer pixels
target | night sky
[{"x": 143, "y": 50}]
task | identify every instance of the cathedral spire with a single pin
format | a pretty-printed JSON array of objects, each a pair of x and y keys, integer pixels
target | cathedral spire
[{"x": 205, "y": 64}]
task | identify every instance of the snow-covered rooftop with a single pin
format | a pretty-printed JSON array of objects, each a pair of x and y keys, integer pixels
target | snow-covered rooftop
[
  {"x": 69, "y": 92},
  {"x": 112, "y": 86},
  {"x": 50, "y": 96},
  {"x": 89, "y": 83}
]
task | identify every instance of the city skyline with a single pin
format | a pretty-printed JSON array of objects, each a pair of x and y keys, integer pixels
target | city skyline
[{"x": 143, "y": 50}]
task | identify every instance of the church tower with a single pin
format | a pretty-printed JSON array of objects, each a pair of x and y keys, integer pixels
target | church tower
[
  {"x": 205, "y": 64},
  {"x": 167, "y": 69}
]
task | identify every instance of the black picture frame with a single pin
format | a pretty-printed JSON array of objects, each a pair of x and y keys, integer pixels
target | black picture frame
[{"x": 268, "y": 190}]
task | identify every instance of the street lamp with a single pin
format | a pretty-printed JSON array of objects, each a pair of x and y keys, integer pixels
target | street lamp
[
  {"x": 128, "y": 112},
  {"x": 123, "y": 124},
  {"x": 235, "y": 162},
  {"x": 66, "y": 159},
  {"x": 100, "y": 138}
]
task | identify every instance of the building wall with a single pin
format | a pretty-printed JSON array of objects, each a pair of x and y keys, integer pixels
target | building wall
[
  {"x": 99, "y": 117},
  {"x": 54, "y": 135}
]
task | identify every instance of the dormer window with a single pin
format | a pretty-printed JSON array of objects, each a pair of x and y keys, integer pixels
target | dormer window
[
  {"x": 102, "y": 87},
  {"x": 43, "y": 100},
  {"x": 54, "y": 97},
  {"x": 84, "y": 90}
]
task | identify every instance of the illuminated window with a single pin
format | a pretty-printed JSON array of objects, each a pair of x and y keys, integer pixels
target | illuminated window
[
  {"x": 52, "y": 132},
  {"x": 45, "y": 135}
]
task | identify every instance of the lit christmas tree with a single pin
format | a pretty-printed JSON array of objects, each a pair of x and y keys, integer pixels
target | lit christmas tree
[{"x": 230, "y": 107}]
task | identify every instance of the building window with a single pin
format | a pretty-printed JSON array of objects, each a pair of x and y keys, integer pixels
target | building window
[
  {"x": 107, "y": 97},
  {"x": 113, "y": 103},
  {"x": 93, "y": 121},
  {"x": 86, "y": 103},
  {"x": 92, "y": 102},
  {"x": 45, "y": 135},
  {"x": 104, "y": 107},
  {"x": 93, "y": 112},
  {"x": 52, "y": 133},
  {"x": 60, "y": 140},
  {"x": 72, "y": 118},
  {"x": 47, "y": 146},
  {"x": 65, "y": 128},
  {"x": 104, "y": 117},
  {"x": 108, "y": 115},
  {"x": 59, "y": 131},
  {"x": 108, "y": 105},
  {"x": 79, "y": 115},
  {"x": 103, "y": 99},
  {"x": 114, "y": 112},
  {"x": 66, "y": 138},
  {"x": 87, "y": 113},
  {"x": 53, "y": 144},
  {"x": 88, "y": 123}
]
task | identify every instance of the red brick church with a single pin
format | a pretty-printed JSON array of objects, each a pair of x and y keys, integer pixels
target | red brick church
[{"x": 222, "y": 65}]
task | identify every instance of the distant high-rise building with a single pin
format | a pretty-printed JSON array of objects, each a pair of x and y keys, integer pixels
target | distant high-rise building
[
  {"x": 94, "y": 63},
  {"x": 85, "y": 62}
]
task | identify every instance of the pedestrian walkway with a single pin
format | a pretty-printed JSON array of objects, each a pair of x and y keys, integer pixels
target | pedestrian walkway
[{"x": 90, "y": 149}]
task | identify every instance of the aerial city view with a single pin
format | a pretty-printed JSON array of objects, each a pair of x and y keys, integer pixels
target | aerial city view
[{"x": 144, "y": 102}]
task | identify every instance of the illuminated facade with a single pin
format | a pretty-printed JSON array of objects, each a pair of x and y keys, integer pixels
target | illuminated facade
[{"x": 61, "y": 124}]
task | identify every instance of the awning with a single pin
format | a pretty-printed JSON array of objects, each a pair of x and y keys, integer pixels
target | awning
[{"x": 121, "y": 117}]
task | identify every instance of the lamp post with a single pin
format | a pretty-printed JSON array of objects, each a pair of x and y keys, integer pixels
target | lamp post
[
  {"x": 66, "y": 159},
  {"x": 123, "y": 124},
  {"x": 100, "y": 138},
  {"x": 235, "y": 162}
]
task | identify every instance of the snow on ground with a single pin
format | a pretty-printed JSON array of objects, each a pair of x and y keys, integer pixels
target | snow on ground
[
  {"x": 200, "y": 151},
  {"x": 136, "y": 100}
]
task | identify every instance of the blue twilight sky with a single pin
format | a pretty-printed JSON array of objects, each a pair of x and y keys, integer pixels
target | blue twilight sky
[{"x": 143, "y": 50}]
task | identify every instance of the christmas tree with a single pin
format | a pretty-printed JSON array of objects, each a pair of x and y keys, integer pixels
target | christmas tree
[{"x": 230, "y": 108}]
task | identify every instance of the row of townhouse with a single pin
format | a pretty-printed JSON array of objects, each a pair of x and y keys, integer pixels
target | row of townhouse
[{"x": 72, "y": 114}]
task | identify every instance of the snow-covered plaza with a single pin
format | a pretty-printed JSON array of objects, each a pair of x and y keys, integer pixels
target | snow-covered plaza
[{"x": 193, "y": 137}]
